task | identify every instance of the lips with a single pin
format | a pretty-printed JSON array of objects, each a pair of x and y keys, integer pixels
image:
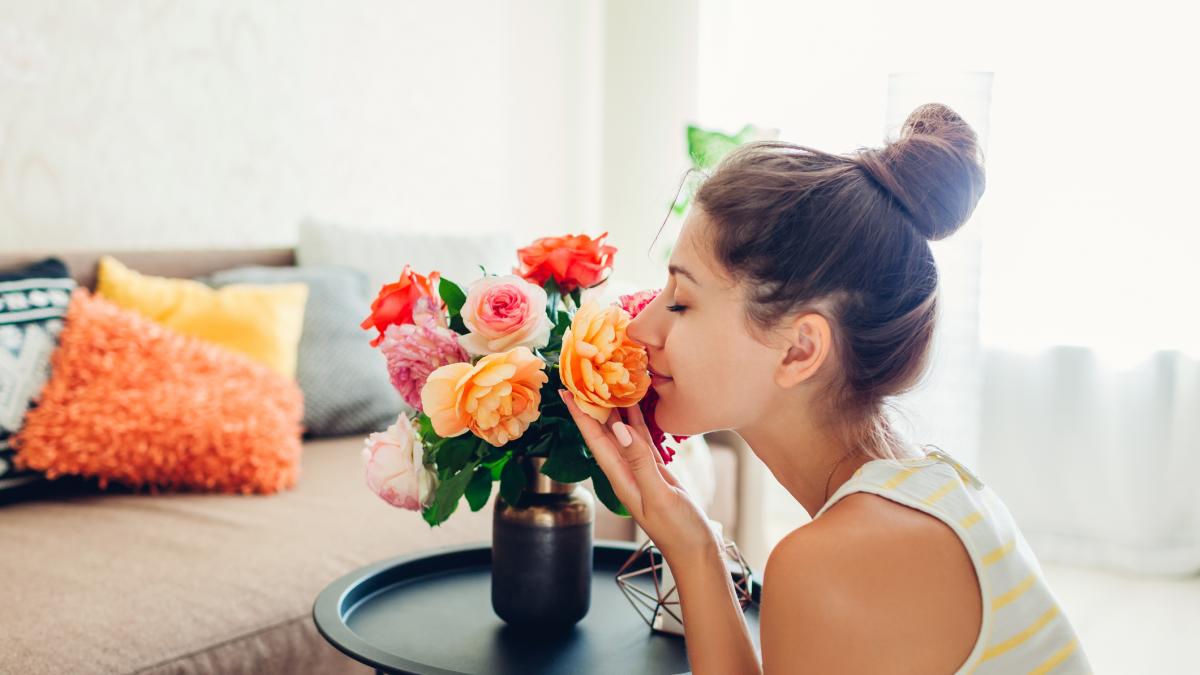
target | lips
[{"x": 657, "y": 374}]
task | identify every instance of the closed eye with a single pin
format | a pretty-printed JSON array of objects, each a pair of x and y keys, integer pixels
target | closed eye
[{"x": 676, "y": 308}]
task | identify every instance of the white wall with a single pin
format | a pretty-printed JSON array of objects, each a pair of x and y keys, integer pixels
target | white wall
[{"x": 147, "y": 124}]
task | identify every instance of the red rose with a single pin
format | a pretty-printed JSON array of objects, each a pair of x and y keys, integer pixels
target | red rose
[
  {"x": 394, "y": 304},
  {"x": 574, "y": 261},
  {"x": 634, "y": 303}
]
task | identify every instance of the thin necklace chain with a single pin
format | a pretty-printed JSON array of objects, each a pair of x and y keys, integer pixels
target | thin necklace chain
[{"x": 831, "y": 472}]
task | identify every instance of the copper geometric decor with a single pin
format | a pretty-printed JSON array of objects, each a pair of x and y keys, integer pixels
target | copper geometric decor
[{"x": 658, "y": 594}]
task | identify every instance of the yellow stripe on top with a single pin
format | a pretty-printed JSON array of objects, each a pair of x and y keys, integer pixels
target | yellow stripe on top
[
  {"x": 1058, "y": 657},
  {"x": 900, "y": 477},
  {"x": 1024, "y": 635},
  {"x": 941, "y": 492},
  {"x": 971, "y": 519},
  {"x": 1002, "y": 600},
  {"x": 999, "y": 553}
]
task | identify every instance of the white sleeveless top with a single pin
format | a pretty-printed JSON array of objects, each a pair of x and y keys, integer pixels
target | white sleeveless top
[{"x": 1024, "y": 628}]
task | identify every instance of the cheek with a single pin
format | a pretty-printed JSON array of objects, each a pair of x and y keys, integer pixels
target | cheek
[
  {"x": 714, "y": 382},
  {"x": 707, "y": 392}
]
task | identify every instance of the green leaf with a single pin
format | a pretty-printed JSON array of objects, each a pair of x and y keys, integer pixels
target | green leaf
[
  {"x": 490, "y": 454},
  {"x": 425, "y": 427},
  {"x": 604, "y": 491},
  {"x": 498, "y": 466},
  {"x": 449, "y": 491},
  {"x": 452, "y": 294},
  {"x": 577, "y": 297},
  {"x": 512, "y": 482},
  {"x": 563, "y": 323},
  {"x": 708, "y": 147},
  {"x": 455, "y": 453},
  {"x": 568, "y": 464},
  {"x": 553, "y": 295},
  {"x": 480, "y": 488},
  {"x": 457, "y": 325}
]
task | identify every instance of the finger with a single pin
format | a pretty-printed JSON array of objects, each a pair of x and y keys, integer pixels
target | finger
[
  {"x": 668, "y": 476},
  {"x": 638, "y": 422},
  {"x": 639, "y": 457},
  {"x": 607, "y": 455},
  {"x": 634, "y": 419}
]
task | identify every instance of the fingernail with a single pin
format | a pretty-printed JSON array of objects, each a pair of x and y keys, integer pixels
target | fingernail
[
  {"x": 562, "y": 393},
  {"x": 622, "y": 433}
]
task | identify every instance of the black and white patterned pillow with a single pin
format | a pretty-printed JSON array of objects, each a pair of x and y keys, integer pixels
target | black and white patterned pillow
[{"x": 33, "y": 305}]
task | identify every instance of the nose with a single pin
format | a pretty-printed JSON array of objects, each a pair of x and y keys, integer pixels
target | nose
[{"x": 639, "y": 329}]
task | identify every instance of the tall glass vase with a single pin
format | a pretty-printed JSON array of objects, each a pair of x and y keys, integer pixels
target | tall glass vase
[{"x": 542, "y": 552}]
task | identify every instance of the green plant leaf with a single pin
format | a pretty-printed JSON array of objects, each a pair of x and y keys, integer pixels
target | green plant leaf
[
  {"x": 498, "y": 466},
  {"x": 567, "y": 464},
  {"x": 480, "y": 488},
  {"x": 455, "y": 453},
  {"x": 512, "y": 482},
  {"x": 453, "y": 296},
  {"x": 425, "y": 427},
  {"x": 447, "y": 495},
  {"x": 604, "y": 491},
  {"x": 457, "y": 325}
]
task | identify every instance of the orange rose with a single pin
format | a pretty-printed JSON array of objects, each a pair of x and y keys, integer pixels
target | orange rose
[
  {"x": 574, "y": 261},
  {"x": 394, "y": 304},
  {"x": 600, "y": 364},
  {"x": 496, "y": 399}
]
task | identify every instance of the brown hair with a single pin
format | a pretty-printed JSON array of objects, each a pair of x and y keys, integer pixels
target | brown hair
[{"x": 847, "y": 236}]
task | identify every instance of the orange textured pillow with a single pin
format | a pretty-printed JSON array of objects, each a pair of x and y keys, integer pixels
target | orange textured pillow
[{"x": 132, "y": 402}]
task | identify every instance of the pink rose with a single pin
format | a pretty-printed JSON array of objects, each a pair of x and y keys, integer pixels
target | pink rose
[
  {"x": 413, "y": 351},
  {"x": 634, "y": 303},
  {"x": 504, "y": 312},
  {"x": 395, "y": 466}
]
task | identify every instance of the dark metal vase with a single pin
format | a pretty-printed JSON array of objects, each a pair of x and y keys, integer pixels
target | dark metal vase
[{"x": 542, "y": 552}]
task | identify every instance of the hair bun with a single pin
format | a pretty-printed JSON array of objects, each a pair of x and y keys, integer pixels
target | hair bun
[{"x": 934, "y": 170}]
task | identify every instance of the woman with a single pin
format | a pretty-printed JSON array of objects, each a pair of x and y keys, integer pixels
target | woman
[{"x": 802, "y": 293}]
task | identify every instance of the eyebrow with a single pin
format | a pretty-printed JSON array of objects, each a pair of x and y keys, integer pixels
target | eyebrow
[{"x": 676, "y": 269}]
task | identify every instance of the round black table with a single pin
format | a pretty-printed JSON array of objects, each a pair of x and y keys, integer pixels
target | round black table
[{"x": 431, "y": 613}]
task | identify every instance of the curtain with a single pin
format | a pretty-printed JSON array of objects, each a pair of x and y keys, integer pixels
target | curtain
[{"x": 1065, "y": 359}]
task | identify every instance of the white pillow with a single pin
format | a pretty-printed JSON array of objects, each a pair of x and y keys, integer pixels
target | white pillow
[{"x": 382, "y": 255}]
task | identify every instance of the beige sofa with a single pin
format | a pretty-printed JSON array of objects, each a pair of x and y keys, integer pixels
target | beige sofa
[{"x": 111, "y": 582}]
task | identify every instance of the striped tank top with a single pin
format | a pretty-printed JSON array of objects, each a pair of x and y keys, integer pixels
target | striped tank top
[{"x": 1024, "y": 628}]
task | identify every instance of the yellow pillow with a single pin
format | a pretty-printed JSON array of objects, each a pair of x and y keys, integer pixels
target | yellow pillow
[{"x": 263, "y": 322}]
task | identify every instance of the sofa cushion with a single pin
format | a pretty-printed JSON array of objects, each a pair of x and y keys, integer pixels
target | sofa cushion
[
  {"x": 189, "y": 583},
  {"x": 262, "y": 322},
  {"x": 133, "y": 402},
  {"x": 33, "y": 302},
  {"x": 345, "y": 381}
]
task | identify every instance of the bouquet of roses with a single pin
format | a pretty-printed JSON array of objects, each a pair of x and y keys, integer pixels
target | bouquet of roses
[{"x": 487, "y": 360}]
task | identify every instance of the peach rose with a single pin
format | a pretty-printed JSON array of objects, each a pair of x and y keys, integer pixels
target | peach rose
[
  {"x": 600, "y": 364},
  {"x": 396, "y": 468},
  {"x": 575, "y": 261},
  {"x": 502, "y": 313},
  {"x": 496, "y": 399}
]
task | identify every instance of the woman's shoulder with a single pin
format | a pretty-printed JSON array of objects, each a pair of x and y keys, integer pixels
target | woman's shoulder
[{"x": 897, "y": 580}]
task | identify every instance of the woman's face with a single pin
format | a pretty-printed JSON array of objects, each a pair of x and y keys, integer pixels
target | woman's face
[{"x": 720, "y": 376}]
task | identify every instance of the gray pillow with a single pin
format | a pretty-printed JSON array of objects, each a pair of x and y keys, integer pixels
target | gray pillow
[{"x": 344, "y": 379}]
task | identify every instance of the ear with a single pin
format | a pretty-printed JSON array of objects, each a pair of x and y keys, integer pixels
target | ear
[{"x": 809, "y": 341}]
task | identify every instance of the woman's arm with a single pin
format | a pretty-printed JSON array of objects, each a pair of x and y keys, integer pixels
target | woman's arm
[{"x": 718, "y": 639}]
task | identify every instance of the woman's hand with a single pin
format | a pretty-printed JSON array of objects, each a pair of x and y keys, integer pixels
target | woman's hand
[{"x": 656, "y": 500}]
